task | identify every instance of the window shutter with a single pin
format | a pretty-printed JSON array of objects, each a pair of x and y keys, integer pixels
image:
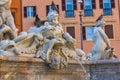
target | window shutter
[
  {"x": 75, "y": 4},
  {"x": 109, "y": 31},
  {"x": 63, "y": 5},
  {"x": 25, "y": 11},
  {"x": 113, "y": 3},
  {"x": 58, "y": 8},
  {"x": 82, "y": 5},
  {"x": 94, "y": 4},
  {"x": 101, "y": 4},
  {"x": 47, "y": 9},
  {"x": 71, "y": 31},
  {"x": 34, "y": 9},
  {"x": 84, "y": 33}
]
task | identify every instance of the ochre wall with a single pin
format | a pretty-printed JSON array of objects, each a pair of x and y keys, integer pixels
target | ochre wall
[{"x": 16, "y": 8}]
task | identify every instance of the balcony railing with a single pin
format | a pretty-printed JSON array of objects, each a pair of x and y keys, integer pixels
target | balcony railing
[
  {"x": 69, "y": 13},
  {"x": 107, "y": 11},
  {"x": 88, "y": 12}
]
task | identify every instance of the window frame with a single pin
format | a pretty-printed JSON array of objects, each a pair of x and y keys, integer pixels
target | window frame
[
  {"x": 29, "y": 11},
  {"x": 85, "y": 33},
  {"x": 107, "y": 33},
  {"x": 107, "y": 9},
  {"x": 101, "y": 5},
  {"x": 69, "y": 13},
  {"x": 90, "y": 9},
  {"x": 69, "y": 30}
]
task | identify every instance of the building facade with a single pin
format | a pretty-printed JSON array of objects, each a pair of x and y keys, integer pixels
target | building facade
[
  {"x": 70, "y": 20},
  {"x": 16, "y": 12}
]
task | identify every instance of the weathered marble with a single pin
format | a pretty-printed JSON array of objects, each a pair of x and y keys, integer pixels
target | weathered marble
[
  {"x": 6, "y": 17},
  {"x": 27, "y": 68},
  {"x": 48, "y": 42},
  {"x": 102, "y": 48},
  {"x": 49, "y": 53}
]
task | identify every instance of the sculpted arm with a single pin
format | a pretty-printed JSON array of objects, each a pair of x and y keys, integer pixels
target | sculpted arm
[
  {"x": 104, "y": 36},
  {"x": 61, "y": 28},
  {"x": 2, "y": 2}
]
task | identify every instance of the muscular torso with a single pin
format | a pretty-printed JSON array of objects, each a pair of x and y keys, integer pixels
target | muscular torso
[
  {"x": 51, "y": 31},
  {"x": 58, "y": 31},
  {"x": 6, "y": 5},
  {"x": 99, "y": 43}
]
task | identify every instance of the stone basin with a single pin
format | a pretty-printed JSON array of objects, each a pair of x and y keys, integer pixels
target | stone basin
[{"x": 28, "y": 68}]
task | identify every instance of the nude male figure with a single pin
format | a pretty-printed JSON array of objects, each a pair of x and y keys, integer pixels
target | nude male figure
[{"x": 6, "y": 15}]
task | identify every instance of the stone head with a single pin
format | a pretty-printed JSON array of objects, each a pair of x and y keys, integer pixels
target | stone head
[{"x": 100, "y": 23}]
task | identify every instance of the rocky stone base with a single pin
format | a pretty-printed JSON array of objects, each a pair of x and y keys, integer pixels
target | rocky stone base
[{"x": 26, "y": 68}]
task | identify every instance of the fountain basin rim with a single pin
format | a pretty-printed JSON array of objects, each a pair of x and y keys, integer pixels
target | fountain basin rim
[{"x": 31, "y": 59}]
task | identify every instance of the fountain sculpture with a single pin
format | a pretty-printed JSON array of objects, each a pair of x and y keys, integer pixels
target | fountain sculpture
[
  {"x": 51, "y": 45},
  {"x": 102, "y": 48},
  {"x": 48, "y": 42},
  {"x": 6, "y": 20}
]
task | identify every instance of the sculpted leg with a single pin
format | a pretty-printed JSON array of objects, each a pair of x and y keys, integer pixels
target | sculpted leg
[
  {"x": 97, "y": 56},
  {"x": 22, "y": 36},
  {"x": 6, "y": 33},
  {"x": 11, "y": 24},
  {"x": 49, "y": 47},
  {"x": 53, "y": 43}
]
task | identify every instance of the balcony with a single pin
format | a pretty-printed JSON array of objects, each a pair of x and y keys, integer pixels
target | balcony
[
  {"x": 88, "y": 12},
  {"x": 107, "y": 11},
  {"x": 69, "y": 13}
]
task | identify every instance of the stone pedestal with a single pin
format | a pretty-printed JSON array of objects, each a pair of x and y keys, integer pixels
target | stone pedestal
[{"x": 26, "y": 68}]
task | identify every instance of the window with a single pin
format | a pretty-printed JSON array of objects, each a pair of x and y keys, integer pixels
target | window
[
  {"x": 107, "y": 6},
  {"x": 88, "y": 32},
  {"x": 71, "y": 31},
  {"x": 29, "y": 11},
  {"x": 48, "y": 8},
  {"x": 63, "y": 5},
  {"x": 88, "y": 8},
  {"x": 109, "y": 31},
  {"x": 69, "y": 6}
]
